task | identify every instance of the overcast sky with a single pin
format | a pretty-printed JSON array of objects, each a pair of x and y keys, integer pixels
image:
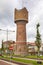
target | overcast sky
[{"x": 35, "y": 9}]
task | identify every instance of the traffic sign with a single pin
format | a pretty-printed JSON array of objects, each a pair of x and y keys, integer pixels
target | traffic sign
[{"x": 11, "y": 47}]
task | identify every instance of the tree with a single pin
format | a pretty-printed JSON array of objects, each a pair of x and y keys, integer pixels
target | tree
[
  {"x": 38, "y": 38},
  {"x": 2, "y": 48}
]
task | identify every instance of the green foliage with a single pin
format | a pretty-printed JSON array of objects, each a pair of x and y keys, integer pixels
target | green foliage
[
  {"x": 38, "y": 37},
  {"x": 2, "y": 48},
  {"x": 34, "y": 57},
  {"x": 25, "y": 61}
]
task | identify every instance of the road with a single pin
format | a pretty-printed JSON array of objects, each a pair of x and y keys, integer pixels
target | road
[{"x": 2, "y": 62}]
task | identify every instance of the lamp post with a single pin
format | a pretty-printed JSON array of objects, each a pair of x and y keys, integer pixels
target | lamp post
[{"x": 7, "y": 32}]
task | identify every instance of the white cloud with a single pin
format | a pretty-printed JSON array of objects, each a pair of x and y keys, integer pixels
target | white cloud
[{"x": 35, "y": 8}]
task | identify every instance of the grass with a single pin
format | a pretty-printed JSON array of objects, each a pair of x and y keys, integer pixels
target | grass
[
  {"x": 26, "y": 61},
  {"x": 28, "y": 56},
  {"x": 22, "y": 60},
  {"x": 34, "y": 57}
]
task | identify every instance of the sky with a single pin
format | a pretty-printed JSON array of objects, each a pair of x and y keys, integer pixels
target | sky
[{"x": 35, "y": 15}]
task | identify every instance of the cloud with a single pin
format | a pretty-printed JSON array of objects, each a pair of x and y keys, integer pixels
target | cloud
[
  {"x": 35, "y": 9},
  {"x": 35, "y": 16}
]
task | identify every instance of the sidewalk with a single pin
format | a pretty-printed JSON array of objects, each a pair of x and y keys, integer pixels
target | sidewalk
[{"x": 7, "y": 63}]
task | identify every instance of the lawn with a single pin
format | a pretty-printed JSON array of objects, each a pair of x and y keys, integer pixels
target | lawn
[
  {"x": 23, "y": 60},
  {"x": 34, "y": 57},
  {"x": 27, "y": 61},
  {"x": 28, "y": 56}
]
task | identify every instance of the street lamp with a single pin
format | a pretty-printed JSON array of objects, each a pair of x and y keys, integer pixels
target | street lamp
[{"x": 7, "y": 32}]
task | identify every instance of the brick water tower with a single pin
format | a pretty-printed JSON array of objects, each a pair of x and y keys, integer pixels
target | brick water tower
[{"x": 21, "y": 19}]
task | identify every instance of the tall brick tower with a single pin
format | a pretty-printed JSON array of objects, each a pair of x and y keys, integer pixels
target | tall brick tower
[{"x": 21, "y": 18}]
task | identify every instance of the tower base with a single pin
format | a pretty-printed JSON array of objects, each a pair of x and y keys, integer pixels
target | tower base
[{"x": 21, "y": 49}]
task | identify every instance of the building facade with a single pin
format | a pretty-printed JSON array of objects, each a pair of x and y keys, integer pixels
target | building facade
[
  {"x": 32, "y": 48},
  {"x": 7, "y": 45}
]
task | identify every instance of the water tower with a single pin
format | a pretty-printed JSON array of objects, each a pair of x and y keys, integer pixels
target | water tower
[{"x": 21, "y": 19}]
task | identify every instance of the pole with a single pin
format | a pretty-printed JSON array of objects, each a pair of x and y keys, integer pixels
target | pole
[{"x": 7, "y": 34}]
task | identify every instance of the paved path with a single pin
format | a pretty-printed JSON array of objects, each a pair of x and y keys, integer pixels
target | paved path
[{"x": 2, "y": 62}]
